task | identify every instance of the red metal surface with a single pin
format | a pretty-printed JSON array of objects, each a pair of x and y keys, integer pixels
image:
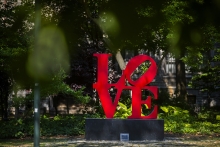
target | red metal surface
[{"x": 102, "y": 86}]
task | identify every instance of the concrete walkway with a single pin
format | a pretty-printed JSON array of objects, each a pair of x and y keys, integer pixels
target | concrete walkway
[{"x": 168, "y": 141}]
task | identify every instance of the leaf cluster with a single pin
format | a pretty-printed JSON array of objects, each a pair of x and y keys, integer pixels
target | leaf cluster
[
  {"x": 59, "y": 125},
  {"x": 177, "y": 120}
]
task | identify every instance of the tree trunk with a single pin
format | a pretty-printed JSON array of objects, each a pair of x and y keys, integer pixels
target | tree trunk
[
  {"x": 55, "y": 104},
  {"x": 16, "y": 112},
  {"x": 4, "y": 93},
  {"x": 2, "y": 107},
  {"x": 181, "y": 78},
  {"x": 67, "y": 105},
  {"x": 6, "y": 104}
]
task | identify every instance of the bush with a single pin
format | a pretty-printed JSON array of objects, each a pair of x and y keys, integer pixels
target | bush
[
  {"x": 122, "y": 111},
  {"x": 177, "y": 120},
  {"x": 59, "y": 125}
]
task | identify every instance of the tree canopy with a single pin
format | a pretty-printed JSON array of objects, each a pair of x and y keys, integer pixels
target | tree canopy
[
  {"x": 186, "y": 29},
  {"x": 74, "y": 30}
]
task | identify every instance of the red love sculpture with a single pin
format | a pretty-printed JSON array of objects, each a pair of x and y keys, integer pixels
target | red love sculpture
[{"x": 102, "y": 86}]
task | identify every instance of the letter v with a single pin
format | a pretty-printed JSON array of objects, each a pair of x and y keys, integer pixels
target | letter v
[{"x": 102, "y": 86}]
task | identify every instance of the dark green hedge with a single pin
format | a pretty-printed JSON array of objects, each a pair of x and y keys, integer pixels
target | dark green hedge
[{"x": 59, "y": 125}]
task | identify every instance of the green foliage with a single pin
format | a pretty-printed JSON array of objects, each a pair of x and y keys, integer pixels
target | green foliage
[
  {"x": 207, "y": 77},
  {"x": 57, "y": 85},
  {"x": 19, "y": 101},
  {"x": 59, "y": 125},
  {"x": 122, "y": 111},
  {"x": 17, "y": 42},
  {"x": 217, "y": 117},
  {"x": 176, "y": 11},
  {"x": 174, "y": 26},
  {"x": 79, "y": 94},
  {"x": 177, "y": 120},
  {"x": 175, "y": 111}
]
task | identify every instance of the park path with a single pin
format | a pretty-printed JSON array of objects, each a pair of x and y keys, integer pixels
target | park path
[{"x": 168, "y": 142}]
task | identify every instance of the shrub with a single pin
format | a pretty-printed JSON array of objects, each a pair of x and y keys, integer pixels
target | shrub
[
  {"x": 59, "y": 125},
  {"x": 177, "y": 120},
  {"x": 122, "y": 111}
]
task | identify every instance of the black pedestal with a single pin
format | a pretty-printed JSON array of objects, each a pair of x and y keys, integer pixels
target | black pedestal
[{"x": 138, "y": 129}]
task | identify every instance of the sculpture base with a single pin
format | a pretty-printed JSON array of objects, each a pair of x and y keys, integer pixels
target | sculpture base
[{"x": 110, "y": 129}]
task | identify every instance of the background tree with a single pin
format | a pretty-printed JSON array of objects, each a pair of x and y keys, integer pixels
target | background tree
[
  {"x": 12, "y": 49},
  {"x": 178, "y": 27},
  {"x": 173, "y": 26},
  {"x": 17, "y": 56}
]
